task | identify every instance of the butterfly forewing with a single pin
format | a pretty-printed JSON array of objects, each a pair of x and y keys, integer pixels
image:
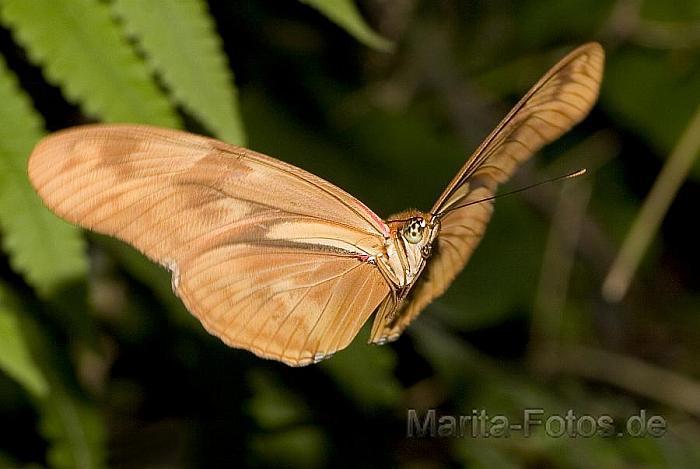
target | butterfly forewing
[
  {"x": 268, "y": 257},
  {"x": 561, "y": 98}
]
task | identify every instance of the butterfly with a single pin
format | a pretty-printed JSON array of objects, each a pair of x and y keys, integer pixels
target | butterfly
[{"x": 278, "y": 261}]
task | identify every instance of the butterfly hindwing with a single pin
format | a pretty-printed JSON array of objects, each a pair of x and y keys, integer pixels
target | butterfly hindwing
[{"x": 299, "y": 308}]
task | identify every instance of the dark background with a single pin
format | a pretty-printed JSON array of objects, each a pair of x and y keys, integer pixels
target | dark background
[{"x": 524, "y": 326}]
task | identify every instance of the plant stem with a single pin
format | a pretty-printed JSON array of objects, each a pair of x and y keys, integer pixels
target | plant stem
[{"x": 652, "y": 212}]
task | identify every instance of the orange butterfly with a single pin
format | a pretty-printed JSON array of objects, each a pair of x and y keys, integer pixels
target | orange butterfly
[{"x": 273, "y": 259}]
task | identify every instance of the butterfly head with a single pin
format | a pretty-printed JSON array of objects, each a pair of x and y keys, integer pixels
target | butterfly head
[
  {"x": 418, "y": 235},
  {"x": 413, "y": 234},
  {"x": 414, "y": 230}
]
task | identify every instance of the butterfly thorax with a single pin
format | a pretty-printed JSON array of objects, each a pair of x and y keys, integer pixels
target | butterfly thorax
[{"x": 409, "y": 246}]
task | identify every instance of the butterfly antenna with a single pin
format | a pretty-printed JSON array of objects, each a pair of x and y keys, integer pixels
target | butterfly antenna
[{"x": 578, "y": 173}]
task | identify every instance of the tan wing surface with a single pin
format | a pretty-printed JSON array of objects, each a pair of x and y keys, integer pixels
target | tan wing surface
[
  {"x": 561, "y": 99},
  {"x": 266, "y": 255}
]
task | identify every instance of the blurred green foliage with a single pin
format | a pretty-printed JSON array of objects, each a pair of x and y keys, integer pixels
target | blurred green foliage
[{"x": 100, "y": 365}]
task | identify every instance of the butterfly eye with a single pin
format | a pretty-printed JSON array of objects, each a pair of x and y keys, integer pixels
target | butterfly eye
[{"x": 413, "y": 231}]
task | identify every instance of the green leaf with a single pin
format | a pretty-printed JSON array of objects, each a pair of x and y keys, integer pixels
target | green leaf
[
  {"x": 449, "y": 356},
  {"x": 300, "y": 446},
  {"x": 180, "y": 42},
  {"x": 15, "y": 358},
  {"x": 366, "y": 373},
  {"x": 677, "y": 11},
  {"x": 6, "y": 462},
  {"x": 286, "y": 439},
  {"x": 72, "y": 425},
  {"x": 81, "y": 49},
  {"x": 273, "y": 406},
  {"x": 670, "y": 86},
  {"x": 541, "y": 22},
  {"x": 47, "y": 251},
  {"x": 76, "y": 431},
  {"x": 344, "y": 13}
]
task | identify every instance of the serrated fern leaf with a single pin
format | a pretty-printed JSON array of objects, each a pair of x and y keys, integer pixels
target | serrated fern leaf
[
  {"x": 180, "y": 42},
  {"x": 81, "y": 49},
  {"x": 46, "y": 250},
  {"x": 344, "y": 13}
]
